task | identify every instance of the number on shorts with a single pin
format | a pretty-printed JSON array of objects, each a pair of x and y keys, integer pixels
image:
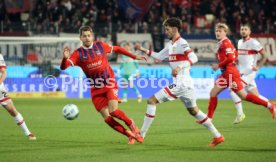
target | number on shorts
[
  {"x": 5, "y": 94},
  {"x": 172, "y": 86}
]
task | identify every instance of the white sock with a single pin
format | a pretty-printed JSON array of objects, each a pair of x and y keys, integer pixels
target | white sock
[
  {"x": 20, "y": 122},
  {"x": 207, "y": 123},
  {"x": 149, "y": 117},
  {"x": 237, "y": 101}
]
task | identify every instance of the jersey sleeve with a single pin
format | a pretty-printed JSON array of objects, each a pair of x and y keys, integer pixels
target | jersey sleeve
[
  {"x": 107, "y": 48},
  {"x": 257, "y": 46},
  {"x": 74, "y": 58},
  {"x": 163, "y": 54},
  {"x": 2, "y": 62},
  {"x": 228, "y": 48},
  {"x": 192, "y": 58}
]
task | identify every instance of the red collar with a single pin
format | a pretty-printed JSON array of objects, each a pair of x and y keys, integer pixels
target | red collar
[
  {"x": 244, "y": 40},
  {"x": 176, "y": 39},
  {"x": 222, "y": 40}
]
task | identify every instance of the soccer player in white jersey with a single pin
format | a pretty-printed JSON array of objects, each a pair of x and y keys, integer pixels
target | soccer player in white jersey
[
  {"x": 181, "y": 57},
  {"x": 248, "y": 50},
  {"x": 7, "y": 103}
]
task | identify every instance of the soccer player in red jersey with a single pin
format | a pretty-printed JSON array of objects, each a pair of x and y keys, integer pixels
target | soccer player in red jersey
[
  {"x": 91, "y": 58},
  {"x": 230, "y": 77}
]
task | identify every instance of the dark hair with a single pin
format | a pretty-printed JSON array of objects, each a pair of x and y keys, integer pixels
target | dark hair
[
  {"x": 247, "y": 25},
  {"x": 173, "y": 22},
  {"x": 85, "y": 28}
]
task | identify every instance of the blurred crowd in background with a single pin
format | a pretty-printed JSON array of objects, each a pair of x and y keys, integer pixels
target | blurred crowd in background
[{"x": 109, "y": 16}]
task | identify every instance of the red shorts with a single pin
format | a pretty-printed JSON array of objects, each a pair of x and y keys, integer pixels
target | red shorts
[
  {"x": 100, "y": 97},
  {"x": 231, "y": 80}
]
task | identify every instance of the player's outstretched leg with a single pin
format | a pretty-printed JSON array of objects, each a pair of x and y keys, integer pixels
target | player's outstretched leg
[
  {"x": 257, "y": 100},
  {"x": 206, "y": 122},
  {"x": 117, "y": 113},
  {"x": 125, "y": 91},
  {"x": 149, "y": 116},
  {"x": 139, "y": 96},
  {"x": 238, "y": 104},
  {"x": 213, "y": 102},
  {"x": 118, "y": 127},
  {"x": 9, "y": 106}
]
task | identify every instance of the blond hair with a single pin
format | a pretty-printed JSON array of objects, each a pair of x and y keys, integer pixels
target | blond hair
[{"x": 222, "y": 26}]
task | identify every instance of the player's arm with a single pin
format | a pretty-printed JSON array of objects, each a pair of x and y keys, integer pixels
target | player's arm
[
  {"x": 68, "y": 61},
  {"x": 4, "y": 74},
  {"x": 108, "y": 49},
  {"x": 262, "y": 61},
  {"x": 259, "y": 48},
  {"x": 121, "y": 50},
  {"x": 191, "y": 59},
  {"x": 230, "y": 58},
  {"x": 163, "y": 54}
]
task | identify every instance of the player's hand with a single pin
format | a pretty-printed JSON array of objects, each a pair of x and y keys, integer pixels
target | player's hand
[
  {"x": 255, "y": 68},
  {"x": 137, "y": 74},
  {"x": 66, "y": 52},
  {"x": 137, "y": 47},
  {"x": 140, "y": 48},
  {"x": 175, "y": 71},
  {"x": 215, "y": 67},
  {"x": 138, "y": 57}
]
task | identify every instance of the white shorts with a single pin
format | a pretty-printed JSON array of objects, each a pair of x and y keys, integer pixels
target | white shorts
[
  {"x": 183, "y": 90},
  {"x": 4, "y": 98},
  {"x": 249, "y": 80}
]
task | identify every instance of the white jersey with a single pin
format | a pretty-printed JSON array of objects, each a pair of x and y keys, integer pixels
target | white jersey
[
  {"x": 3, "y": 93},
  {"x": 248, "y": 51},
  {"x": 179, "y": 54},
  {"x": 2, "y": 63}
]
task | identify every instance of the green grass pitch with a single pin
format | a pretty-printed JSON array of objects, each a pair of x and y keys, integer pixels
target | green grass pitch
[{"x": 173, "y": 136}]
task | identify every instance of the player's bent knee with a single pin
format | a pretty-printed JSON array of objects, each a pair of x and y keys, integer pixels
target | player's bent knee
[
  {"x": 193, "y": 111},
  {"x": 152, "y": 101}
]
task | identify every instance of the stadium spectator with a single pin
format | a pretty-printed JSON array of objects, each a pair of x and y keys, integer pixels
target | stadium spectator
[{"x": 259, "y": 13}]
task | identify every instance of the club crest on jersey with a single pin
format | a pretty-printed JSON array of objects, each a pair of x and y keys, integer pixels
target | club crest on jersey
[
  {"x": 174, "y": 49},
  {"x": 98, "y": 52}
]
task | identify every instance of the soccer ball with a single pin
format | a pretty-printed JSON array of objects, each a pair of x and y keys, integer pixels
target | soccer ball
[{"x": 70, "y": 111}]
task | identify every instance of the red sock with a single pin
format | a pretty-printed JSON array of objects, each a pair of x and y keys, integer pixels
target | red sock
[
  {"x": 212, "y": 106},
  {"x": 256, "y": 100},
  {"x": 115, "y": 125},
  {"x": 122, "y": 116}
]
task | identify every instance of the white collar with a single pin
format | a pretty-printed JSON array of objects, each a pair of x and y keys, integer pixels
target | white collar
[{"x": 87, "y": 47}]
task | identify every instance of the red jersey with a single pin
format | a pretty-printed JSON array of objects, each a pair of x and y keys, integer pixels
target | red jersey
[
  {"x": 94, "y": 63},
  {"x": 227, "y": 55}
]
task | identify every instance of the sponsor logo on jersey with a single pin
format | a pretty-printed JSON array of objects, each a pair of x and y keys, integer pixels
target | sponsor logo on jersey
[
  {"x": 94, "y": 64},
  {"x": 172, "y": 58}
]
